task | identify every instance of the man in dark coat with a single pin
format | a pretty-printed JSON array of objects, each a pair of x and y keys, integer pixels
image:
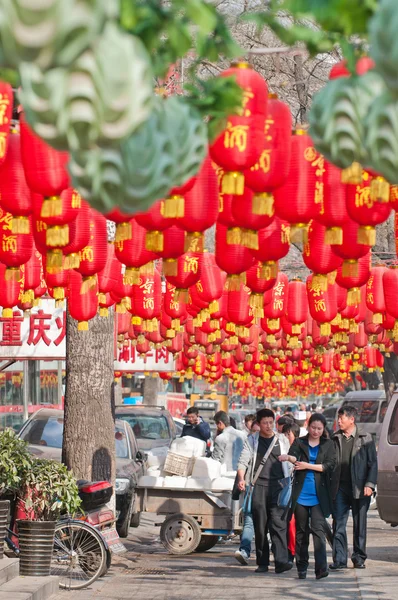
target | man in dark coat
[
  {"x": 195, "y": 426},
  {"x": 353, "y": 483}
]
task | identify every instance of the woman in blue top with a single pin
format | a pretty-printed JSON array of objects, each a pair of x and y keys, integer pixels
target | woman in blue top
[{"x": 314, "y": 458}]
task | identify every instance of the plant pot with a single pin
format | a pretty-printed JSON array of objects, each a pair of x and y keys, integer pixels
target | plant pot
[
  {"x": 4, "y": 510},
  {"x": 36, "y": 540}
]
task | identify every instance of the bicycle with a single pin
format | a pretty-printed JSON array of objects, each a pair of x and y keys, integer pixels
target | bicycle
[{"x": 80, "y": 553}]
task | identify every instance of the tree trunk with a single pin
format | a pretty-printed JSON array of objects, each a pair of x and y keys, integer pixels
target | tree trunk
[
  {"x": 152, "y": 387},
  {"x": 89, "y": 434}
]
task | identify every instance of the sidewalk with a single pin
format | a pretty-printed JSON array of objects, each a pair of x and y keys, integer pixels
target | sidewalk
[{"x": 147, "y": 572}]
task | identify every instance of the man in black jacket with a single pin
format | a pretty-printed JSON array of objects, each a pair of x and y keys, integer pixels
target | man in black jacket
[
  {"x": 196, "y": 427},
  {"x": 353, "y": 483}
]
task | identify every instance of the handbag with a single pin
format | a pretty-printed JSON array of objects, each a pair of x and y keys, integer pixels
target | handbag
[
  {"x": 285, "y": 494},
  {"x": 247, "y": 499}
]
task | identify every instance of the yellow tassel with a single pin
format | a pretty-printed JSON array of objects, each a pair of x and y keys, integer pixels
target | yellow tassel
[
  {"x": 154, "y": 241},
  {"x": 334, "y": 235},
  {"x": 271, "y": 339},
  {"x": 234, "y": 236},
  {"x": 230, "y": 327},
  {"x": 326, "y": 329},
  {"x": 352, "y": 174},
  {"x": 214, "y": 307},
  {"x": 379, "y": 190},
  {"x": 54, "y": 261},
  {"x": 350, "y": 268},
  {"x": 12, "y": 274},
  {"x": 170, "y": 333},
  {"x": 126, "y": 301},
  {"x": 59, "y": 303},
  {"x": 293, "y": 342},
  {"x": 354, "y": 297},
  {"x": 256, "y": 302},
  {"x": 250, "y": 239},
  {"x": 274, "y": 323},
  {"x": 234, "y": 282},
  {"x": 242, "y": 331},
  {"x": 148, "y": 268},
  {"x": 296, "y": 329},
  {"x": 136, "y": 320},
  {"x": 366, "y": 235},
  {"x": 319, "y": 282},
  {"x": 337, "y": 320},
  {"x": 170, "y": 266},
  {"x": 51, "y": 207},
  {"x": 215, "y": 324},
  {"x": 101, "y": 298},
  {"x": 173, "y": 207},
  {"x": 88, "y": 283},
  {"x": 59, "y": 293},
  {"x": 299, "y": 233},
  {"x": 194, "y": 242},
  {"x": 175, "y": 323},
  {"x": 123, "y": 232},
  {"x": 7, "y": 313},
  {"x": 263, "y": 204},
  {"x": 121, "y": 308},
  {"x": 28, "y": 296},
  {"x": 377, "y": 318},
  {"x": 354, "y": 327},
  {"x": 269, "y": 270},
  {"x": 72, "y": 261},
  {"x": 82, "y": 326},
  {"x": 131, "y": 276},
  {"x": 20, "y": 225},
  {"x": 181, "y": 295},
  {"x": 57, "y": 236},
  {"x": 233, "y": 183}
]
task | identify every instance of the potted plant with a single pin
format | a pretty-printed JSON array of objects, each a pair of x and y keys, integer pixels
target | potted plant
[
  {"x": 49, "y": 491},
  {"x": 15, "y": 463}
]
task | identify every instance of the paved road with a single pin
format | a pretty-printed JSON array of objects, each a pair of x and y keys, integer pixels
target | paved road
[{"x": 147, "y": 572}]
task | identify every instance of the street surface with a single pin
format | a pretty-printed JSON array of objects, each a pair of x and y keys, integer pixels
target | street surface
[{"x": 147, "y": 572}]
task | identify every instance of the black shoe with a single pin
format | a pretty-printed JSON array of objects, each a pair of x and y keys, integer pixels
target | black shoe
[
  {"x": 261, "y": 569},
  {"x": 284, "y": 568},
  {"x": 337, "y": 567},
  {"x": 359, "y": 565},
  {"x": 322, "y": 574},
  {"x": 302, "y": 574}
]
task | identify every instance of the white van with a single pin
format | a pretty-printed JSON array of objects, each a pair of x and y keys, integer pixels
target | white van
[{"x": 387, "y": 482}]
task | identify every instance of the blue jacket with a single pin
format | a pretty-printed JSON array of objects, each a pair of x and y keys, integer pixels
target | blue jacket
[{"x": 201, "y": 431}]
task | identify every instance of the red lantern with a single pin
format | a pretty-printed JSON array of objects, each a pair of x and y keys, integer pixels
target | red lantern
[
  {"x": 132, "y": 253},
  {"x": 363, "y": 65},
  {"x": 350, "y": 250},
  {"x": 15, "y": 196},
  {"x": 274, "y": 244},
  {"x": 258, "y": 285},
  {"x": 298, "y": 199},
  {"x": 333, "y": 211},
  {"x": 45, "y": 168},
  {"x": 58, "y": 282},
  {"x": 201, "y": 207},
  {"x": 322, "y": 304},
  {"x": 354, "y": 282},
  {"x": 239, "y": 310},
  {"x": 297, "y": 305},
  {"x": 15, "y": 248},
  {"x": 9, "y": 293},
  {"x": 272, "y": 168},
  {"x": 32, "y": 273},
  {"x": 390, "y": 287},
  {"x": 80, "y": 238},
  {"x": 225, "y": 216},
  {"x": 155, "y": 223},
  {"x": 364, "y": 209},
  {"x": 318, "y": 256},
  {"x": 173, "y": 247},
  {"x": 248, "y": 223},
  {"x": 277, "y": 307},
  {"x": 6, "y": 106},
  {"x": 93, "y": 256},
  {"x": 211, "y": 283},
  {"x": 123, "y": 224},
  {"x": 188, "y": 272},
  {"x": 82, "y": 307},
  {"x": 240, "y": 145},
  {"x": 109, "y": 275},
  {"x": 375, "y": 293},
  {"x": 57, "y": 232},
  {"x": 232, "y": 258},
  {"x": 147, "y": 295}
]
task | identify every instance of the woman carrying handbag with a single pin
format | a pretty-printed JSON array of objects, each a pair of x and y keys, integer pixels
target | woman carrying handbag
[{"x": 314, "y": 458}]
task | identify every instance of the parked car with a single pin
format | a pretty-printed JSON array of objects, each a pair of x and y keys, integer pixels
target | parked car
[
  {"x": 371, "y": 406},
  {"x": 179, "y": 425},
  {"x": 153, "y": 426},
  {"x": 387, "y": 481},
  {"x": 330, "y": 414},
  {"x": 44, "y": 432}
]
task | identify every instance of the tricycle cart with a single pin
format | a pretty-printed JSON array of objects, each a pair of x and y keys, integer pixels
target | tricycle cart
[{"x": 195, "y": 519}]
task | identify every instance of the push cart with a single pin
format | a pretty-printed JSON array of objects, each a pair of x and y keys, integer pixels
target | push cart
[{"x": 195, "y": 519}]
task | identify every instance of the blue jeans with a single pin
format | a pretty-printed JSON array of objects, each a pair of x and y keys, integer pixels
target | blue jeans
[
  {"x": 247, "y": 534},
  {"x": 341, "y": 509}
]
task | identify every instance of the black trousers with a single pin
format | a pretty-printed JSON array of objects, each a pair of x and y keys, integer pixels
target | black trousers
[
  {"x": 303, "y": 515},
  {"x": 267, "y": 516},
  {"x": 341, "y": 509}
]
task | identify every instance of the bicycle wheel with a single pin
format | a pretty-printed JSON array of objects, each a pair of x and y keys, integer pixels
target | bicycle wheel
[{"x": 79, "y": 555}]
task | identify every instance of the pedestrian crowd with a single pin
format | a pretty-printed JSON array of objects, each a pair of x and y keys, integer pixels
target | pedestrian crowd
[{"x": 291, "y": 476}]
